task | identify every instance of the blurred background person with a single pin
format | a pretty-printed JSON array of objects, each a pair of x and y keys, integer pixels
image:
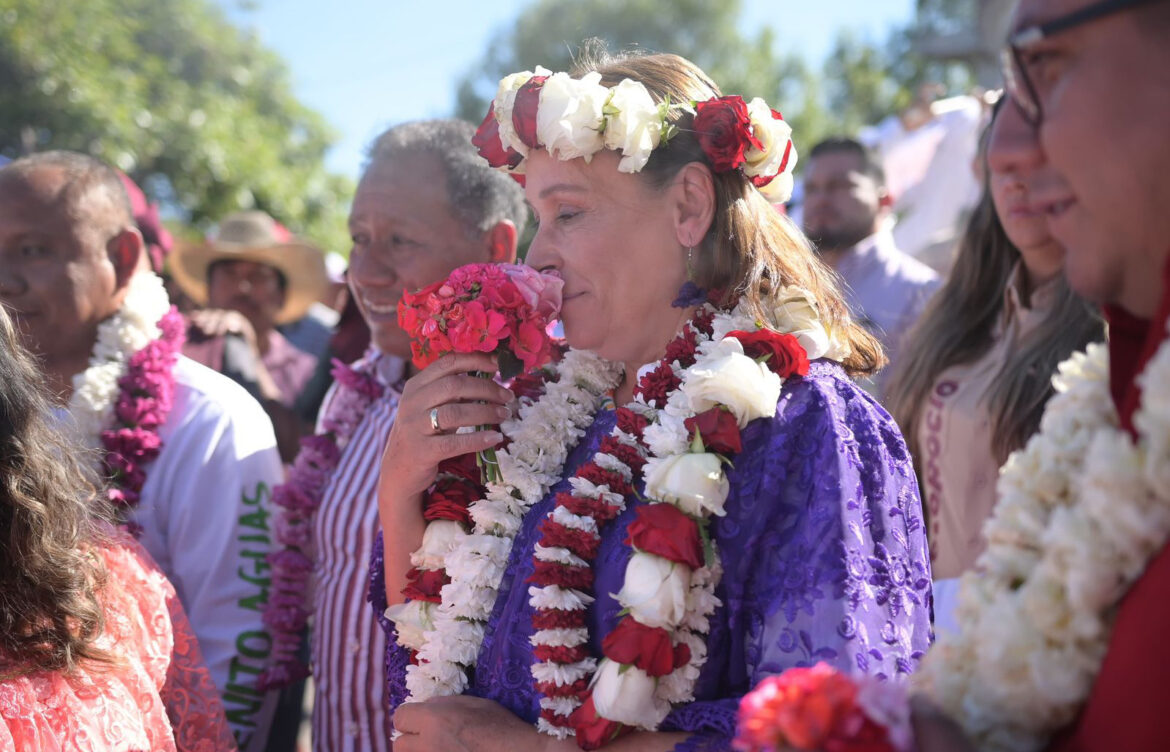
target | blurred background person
[
  {"x": 926, "y": 150},
  {"x": 189, "y": 456},
  {"x": 95, "y": 647},
  {"x": 311, "y": 332},
  {"x": 846, "y": 212},
  {"x": 252, "y": 276},
  {"x": 975, "y": 373}
]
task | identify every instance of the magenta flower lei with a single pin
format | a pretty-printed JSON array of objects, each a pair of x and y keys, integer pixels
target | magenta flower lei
[
  {"x": 286, "y": 611},
  {"x": 145, "y": 399}
]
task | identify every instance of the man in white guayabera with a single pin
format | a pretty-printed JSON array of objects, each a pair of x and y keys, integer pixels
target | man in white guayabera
[{"x": 190, "y": 457}]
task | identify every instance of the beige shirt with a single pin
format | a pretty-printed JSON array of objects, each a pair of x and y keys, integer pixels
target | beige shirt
[{"x": 959, "y": 467}]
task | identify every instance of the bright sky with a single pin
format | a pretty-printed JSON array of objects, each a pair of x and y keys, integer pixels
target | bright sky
[{"x": 367, "y": 64}]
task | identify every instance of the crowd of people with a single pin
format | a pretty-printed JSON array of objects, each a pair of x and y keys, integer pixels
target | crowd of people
[{"x": 766, "y": 442}]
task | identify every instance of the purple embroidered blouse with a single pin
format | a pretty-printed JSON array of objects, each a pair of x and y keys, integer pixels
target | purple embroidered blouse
[{"x": 823, "y": 549}]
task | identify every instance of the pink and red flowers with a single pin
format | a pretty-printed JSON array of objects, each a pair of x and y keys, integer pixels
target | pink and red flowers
[
  {"x": 820, "y": 708},
  {"x": 492, "y": 308},
  {"x": 144, "y": 402}
]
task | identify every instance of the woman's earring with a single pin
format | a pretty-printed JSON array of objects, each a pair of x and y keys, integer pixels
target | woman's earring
[{"x": 690, "y": 294}]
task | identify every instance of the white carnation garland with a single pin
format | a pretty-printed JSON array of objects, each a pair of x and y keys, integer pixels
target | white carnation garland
[{"x": 1082, "y": 510}]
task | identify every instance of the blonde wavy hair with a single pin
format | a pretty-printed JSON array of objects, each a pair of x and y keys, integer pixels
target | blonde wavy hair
[
  {"x": 52, "y": 516},
  {"x": 751, "y": 250}
]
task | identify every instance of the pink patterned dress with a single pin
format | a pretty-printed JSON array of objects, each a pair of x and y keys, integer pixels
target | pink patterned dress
[{"x": 156, "y": 695}]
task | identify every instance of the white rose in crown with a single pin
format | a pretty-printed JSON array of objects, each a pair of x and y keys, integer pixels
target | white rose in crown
[
  {"x": 796, "y": 313},
  {"x": 774, "y": 134},
  {"x": 626, "y": 694},
  {"x": 655, "y": 590},
  {"x": 411, "y": 621},
  {"x": 506, "y": 100},
  {"x": 729, "y": 377},
  {"x": 439, "y": 537},
  {"x": 633, "y": 124},
  {"x": 569, "y": 120},
  {"x": 694, "y": 482}
]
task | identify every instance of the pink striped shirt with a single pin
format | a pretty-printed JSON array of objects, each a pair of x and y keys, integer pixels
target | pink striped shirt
[{"x": 349, "y": 708}]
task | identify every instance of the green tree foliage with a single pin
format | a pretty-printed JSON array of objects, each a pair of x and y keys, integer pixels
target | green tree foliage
[
  {"x": 862, "y": 81},
  {"x": 551, "y": 32},
  {"x": 195, "y": 110}
]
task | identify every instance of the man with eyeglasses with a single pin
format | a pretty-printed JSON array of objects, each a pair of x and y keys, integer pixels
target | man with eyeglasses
[{"x": 1088, "y": 85}]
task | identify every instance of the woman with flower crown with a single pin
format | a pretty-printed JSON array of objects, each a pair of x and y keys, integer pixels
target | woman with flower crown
[{"x": 744, "y": 509}]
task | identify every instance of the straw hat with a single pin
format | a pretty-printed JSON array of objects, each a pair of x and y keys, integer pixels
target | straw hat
[{"x": 254, "y": 236}]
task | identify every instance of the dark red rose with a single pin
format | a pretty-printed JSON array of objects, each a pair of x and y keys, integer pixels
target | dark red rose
[
  {"x": 552, "y": 689},
  {"x": 593, "y": 731},
  {"x": 424, "y": 585},
  {"x": 557, "y": 619},
  {"x": 446, "y": 510},
  {"x": 657, "y": 384},
  {"x": 524, "y": 111},
  {"x": 631, "y": 422},
  {"x": 785, "y": 355},
  {"x": 682, "y": 348},
  {"x": 718, "y": 429},
  {"x": 663, "y": 530},
  {"x": 463, "y": 466},
  {"x": 580, "y": 542},
  {"x": 560, "y": 653},
  {"x": 487, "y": 141},
  {"x": 561, "y": 575},
  {"x": 454, "y": 490},
  {"x": 648, "y": 648},
  {"x": 724, "y": 130},
  {"x": 529, "y": 384}
]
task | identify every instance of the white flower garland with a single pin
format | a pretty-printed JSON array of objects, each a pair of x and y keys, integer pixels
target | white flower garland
[
  {"x": 133, "y": 327},
  {"x": 542, "y": 435},
  {"x": 1082, "y": 510}
]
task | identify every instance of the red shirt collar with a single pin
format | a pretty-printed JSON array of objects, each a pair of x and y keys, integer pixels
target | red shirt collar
[{"x": 1132, "y": 342}]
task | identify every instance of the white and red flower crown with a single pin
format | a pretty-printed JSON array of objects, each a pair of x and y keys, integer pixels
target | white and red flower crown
[{"x": 571, "y": 117}]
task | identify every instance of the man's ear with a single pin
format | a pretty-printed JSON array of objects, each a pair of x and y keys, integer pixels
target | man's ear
[
  {"x": 127, "y": 253},
  {"x": 501, "y": 241},
  {"x": 694, "y": 203}
]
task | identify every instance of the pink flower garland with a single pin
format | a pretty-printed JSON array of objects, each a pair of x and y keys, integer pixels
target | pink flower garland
[
  {"x": 299, "y": 497},
  {"x": 145, "y": 399}
]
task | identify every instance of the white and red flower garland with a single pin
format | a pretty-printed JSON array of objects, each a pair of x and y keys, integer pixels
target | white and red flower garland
[
  {"x": 126, "y": 392},
  {"x": 578, "y": 117},
  {"x": 1081, "y": 511},
  {"x": 708, "y": 386}
]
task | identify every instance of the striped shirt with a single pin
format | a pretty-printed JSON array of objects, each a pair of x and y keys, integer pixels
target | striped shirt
[{"x": 349, "y": 708}]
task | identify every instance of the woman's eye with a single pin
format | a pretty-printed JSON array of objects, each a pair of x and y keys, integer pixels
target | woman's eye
[{"x": 32, "y": 250}]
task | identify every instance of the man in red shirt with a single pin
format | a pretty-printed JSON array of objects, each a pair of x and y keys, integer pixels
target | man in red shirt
[{"x": 1089, "y": 89}]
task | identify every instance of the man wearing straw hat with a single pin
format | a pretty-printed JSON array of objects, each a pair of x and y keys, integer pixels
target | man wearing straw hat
[{"x": 258, "y": 269}]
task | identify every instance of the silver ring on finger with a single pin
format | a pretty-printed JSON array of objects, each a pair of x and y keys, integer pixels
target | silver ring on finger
[{"x": 435, "y": 420}]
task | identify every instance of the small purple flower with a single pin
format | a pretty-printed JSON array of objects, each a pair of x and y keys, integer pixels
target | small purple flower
[{"x": 690, "y": 295}]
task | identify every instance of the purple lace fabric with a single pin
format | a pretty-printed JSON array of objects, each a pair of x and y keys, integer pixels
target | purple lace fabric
[{"x": 824, "y": 556}]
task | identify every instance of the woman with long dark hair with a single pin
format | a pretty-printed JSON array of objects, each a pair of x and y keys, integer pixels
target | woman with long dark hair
[
  {"x": 978, "y": 366},
  {"x": 94, "y": 645}
]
